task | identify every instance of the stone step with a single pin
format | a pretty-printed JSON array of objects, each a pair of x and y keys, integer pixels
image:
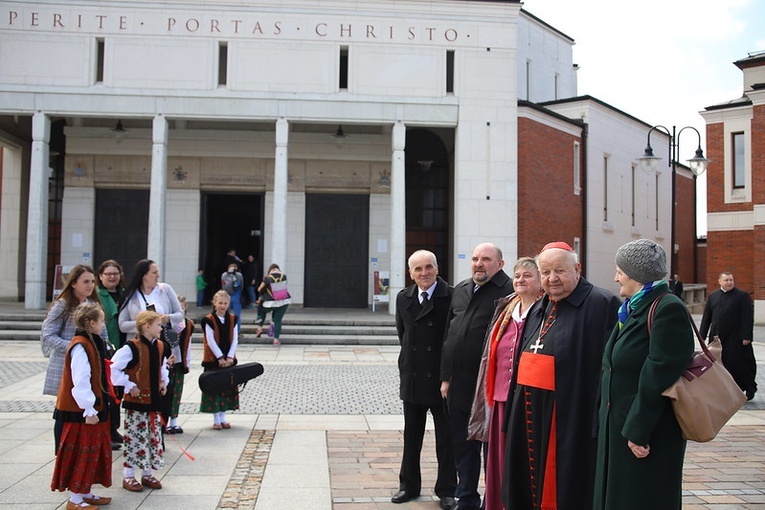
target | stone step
[
  {"x": 332, "y": 331},
  {"x": 301, "y": 326}
]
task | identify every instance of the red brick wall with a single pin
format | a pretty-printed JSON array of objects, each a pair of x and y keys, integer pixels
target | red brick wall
[
  {"x": 546, "y": 186},
  {"x": 730, "y": 251},
  {"x": 701, "y": 262},
  {"x": 685, "y": 227}
]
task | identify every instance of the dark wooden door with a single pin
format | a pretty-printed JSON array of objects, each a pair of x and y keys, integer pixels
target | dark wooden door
[
  {"x": 122, "y": 227},
  {"x": 336, "y": 251}
]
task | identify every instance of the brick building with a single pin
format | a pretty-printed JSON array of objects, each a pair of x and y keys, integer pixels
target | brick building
[{"x": 736, "y": 185}]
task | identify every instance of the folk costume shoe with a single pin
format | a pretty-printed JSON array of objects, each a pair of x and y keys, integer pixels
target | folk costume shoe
[
  {"x": 97, "y": 500},
  {"x": 81, "y": 506},
  {"x": 150, "y": 482},
  {"x": 131, "y": 484}
]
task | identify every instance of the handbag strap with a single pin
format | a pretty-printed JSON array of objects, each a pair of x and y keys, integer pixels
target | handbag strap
[{"x": 702, "y": 343}]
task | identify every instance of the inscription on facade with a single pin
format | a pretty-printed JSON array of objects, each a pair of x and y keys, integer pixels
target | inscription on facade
[{"x": 244, "y": 26}]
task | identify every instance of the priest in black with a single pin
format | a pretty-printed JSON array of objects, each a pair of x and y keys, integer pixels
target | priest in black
[
  {"x": 729, "y": 315},
  {"x": 552, "y": 421}
]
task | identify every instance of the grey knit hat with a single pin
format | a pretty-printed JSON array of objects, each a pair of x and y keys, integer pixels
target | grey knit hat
[{"x": 642, "y": 260}]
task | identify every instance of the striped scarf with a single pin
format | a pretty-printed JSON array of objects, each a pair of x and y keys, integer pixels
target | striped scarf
[{"x": 631, "y": 303}]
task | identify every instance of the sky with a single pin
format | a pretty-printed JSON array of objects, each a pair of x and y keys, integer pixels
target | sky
[{"x": 661, "y": 61}]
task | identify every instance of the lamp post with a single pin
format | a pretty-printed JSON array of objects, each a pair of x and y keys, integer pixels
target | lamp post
[{"x": 697, "y": 164}]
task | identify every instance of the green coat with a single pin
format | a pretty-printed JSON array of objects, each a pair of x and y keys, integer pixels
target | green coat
[
  {"x": 111, "y": 312},
  {"x": 636, "y": 369}
]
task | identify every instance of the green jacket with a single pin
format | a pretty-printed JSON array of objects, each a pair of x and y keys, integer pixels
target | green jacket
[
  {"x": 637, "y": 367},
  {"x": 111, "y": 313}
]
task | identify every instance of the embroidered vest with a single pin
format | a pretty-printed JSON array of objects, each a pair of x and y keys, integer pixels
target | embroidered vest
[
  {"x": 66, "y": 406},
  {"x": 144, "y": 371},
  {"x": 223, "y": 336}
]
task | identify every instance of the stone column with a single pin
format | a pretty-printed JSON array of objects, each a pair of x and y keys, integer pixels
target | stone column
[
  {"x": 397, "y": 214},
  {"x": 279, "y": 217},
  {"x": 158, "y": 193},
  {"x": 37, "y": 220}
]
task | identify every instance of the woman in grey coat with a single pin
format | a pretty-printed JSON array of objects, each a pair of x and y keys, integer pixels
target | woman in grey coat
[{"x": 58, "y": 327}]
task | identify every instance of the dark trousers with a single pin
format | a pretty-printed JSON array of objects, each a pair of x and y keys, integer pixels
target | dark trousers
[
  {"x": 468, "y": 458},
  {"x": 415, "y": 418}
]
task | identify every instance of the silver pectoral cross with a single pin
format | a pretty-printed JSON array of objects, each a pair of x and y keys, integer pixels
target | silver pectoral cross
[{"x": 535, "y": 347}]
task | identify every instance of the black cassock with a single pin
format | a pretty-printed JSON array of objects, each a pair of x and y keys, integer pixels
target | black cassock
[
  {"x": 730, "y": 315},
  {"x": 575, "y": 341}
]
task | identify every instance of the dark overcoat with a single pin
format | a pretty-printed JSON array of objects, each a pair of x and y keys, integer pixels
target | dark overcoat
[
  {"x": 584, "y": 320},
  {"x": 636, "y": 369},
  {"x": 421, "y": 334},
  {"x": 469, "y": 318}
]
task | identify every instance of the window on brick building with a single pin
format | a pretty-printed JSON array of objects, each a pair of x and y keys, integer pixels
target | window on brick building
[
  {"x": 739, "y": 163},
  {"x": 577, "y": 169}
]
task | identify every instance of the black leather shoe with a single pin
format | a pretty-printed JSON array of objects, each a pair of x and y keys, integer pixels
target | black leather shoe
[
  {"x": 402, "y": 497},
  {"x": 448, "y": 503}
]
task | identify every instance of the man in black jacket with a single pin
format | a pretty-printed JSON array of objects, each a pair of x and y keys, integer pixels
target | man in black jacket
[
  {"x": 421, "y": 311},
  {"x": 472, "y": 307}
]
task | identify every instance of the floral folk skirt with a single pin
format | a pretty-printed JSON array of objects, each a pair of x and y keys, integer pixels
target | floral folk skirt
[{"x": 143, "y": 448}]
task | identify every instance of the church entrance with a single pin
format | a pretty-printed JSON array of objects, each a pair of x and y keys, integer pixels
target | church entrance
[
  {"x": 336, "y": 251},
  {"x": 230, "y": 221},
  {"x": 428, "y": 195}
]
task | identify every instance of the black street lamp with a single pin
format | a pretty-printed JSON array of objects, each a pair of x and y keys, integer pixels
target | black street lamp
[{"x": 697, "y": 164}]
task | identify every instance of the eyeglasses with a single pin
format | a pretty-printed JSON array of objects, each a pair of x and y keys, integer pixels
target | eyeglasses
[{"x": 110, "y": 275}]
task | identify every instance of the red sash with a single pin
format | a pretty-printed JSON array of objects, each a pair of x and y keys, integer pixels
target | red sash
[{"x": 538, "y": 371}]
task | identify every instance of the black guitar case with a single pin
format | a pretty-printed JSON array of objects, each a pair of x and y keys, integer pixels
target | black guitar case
[{"x": 218, "y": 381}]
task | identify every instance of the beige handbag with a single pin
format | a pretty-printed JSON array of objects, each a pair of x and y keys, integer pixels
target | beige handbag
[{"x": 705, "y": 397}]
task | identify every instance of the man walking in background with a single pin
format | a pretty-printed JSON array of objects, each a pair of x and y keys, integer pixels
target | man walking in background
[{"x": 729, "y": 315}]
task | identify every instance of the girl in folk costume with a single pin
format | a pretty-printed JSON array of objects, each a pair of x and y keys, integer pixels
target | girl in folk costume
[
  {"x": 221, "y": 339},
  {"x": 139, "y": 367},
  {"x": 84, "y": 452},
  {"x": 178, "y": 365}
]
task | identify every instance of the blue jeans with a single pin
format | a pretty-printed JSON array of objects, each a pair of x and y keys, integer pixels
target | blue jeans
[
  {"x": 251, "y": 295},
  {"x": 236, "y": 307},
  {"x": 200, "y": 298}
]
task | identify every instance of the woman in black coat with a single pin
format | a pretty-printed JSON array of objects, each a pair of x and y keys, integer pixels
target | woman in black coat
[{"x": 640, "y": 445}]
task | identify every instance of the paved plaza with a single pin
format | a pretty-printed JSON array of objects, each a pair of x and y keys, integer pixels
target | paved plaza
[{"x": 321, "y": 429}]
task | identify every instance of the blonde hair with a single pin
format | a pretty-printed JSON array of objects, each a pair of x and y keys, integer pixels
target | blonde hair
[
  {"x": 220, "y": 294},
  {"x": 144, "y": 318},
  {"x": 85, "y": 313}
]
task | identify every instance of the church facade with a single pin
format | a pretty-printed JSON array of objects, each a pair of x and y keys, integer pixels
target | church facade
[{"x": 332, "y": 139}]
